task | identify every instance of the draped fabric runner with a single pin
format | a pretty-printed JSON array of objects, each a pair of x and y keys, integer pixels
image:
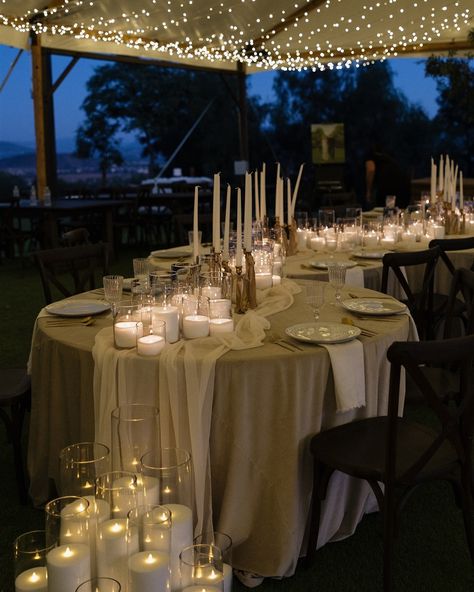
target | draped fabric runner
[{"x": 186, "y": 385}]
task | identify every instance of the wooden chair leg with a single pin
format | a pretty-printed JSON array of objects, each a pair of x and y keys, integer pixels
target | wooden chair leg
[
  {"x": 321, "y": 475},
  {"x": 389, "y": 529}
]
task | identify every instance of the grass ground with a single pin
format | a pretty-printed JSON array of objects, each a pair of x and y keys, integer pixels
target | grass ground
[{"x": 431, "y": 553}]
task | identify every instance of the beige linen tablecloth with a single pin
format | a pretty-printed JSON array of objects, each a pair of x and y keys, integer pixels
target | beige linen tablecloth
[{"x": 267, "y": 403}]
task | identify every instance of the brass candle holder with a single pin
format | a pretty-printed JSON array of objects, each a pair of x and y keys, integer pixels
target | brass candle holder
[
  {"x": 292, "y": 248},
  {"x": 241, "y": 304},
  {"x": 250, "y": 283}
]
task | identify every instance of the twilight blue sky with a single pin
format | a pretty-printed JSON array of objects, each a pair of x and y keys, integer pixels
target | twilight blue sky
[{"x": 16, "y": 108}]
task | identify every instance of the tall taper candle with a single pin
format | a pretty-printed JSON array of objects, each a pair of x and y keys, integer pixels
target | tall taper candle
[
  {"x": 257, "y": 201},
  {"x": 288, "y": 201},
  {"x": 225, "y": 253},
  {"x": 461, "y": 192},
  {"x": 263, "y": 197},
  {"x": 216, "y": 214},
  {"x": 441, "y": 169},
  {"x": 195, "y": 225},
  {"x": 297, "y": 187},
  {"x": 238, "y": 248},
  {"x": 248, "y": 213}
]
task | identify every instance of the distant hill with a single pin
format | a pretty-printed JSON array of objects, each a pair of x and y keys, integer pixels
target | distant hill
[{"x": 8, "y": 149}]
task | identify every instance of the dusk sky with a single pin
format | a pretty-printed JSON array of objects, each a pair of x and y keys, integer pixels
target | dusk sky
[{"x": 16, "y": 108}]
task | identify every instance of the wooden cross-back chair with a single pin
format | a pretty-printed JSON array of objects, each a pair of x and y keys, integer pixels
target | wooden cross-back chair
[
  {"x": 395, "y": 454},
  {"x": 70, "y": 270},
  {"x": 420, "y": 303}
]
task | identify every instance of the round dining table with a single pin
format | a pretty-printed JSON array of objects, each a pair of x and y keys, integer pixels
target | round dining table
[{"x": 261, "y": 408}]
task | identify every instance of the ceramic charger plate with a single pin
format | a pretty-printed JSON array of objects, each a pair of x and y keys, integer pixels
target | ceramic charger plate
[
  {"x": 374, "y": 306},
  {"x": 326, "y": 264},
  {"x": 370, "y": 254},
  {"x": 323, "y": 332},
  {"x": 77, "y": 308}
]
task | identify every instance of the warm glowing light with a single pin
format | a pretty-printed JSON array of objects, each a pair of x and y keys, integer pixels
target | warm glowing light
[
  {"x": 34, "y": 577},
  {"x": 150, "y": 559},
  {"x": 68, "y": 552},
  {"x": 116, "y": 527}
]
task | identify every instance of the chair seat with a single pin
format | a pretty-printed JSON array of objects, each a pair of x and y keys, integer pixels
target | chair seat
[
  {"x": 359, "y": 448},
  {"x": 14, "y": 383}
]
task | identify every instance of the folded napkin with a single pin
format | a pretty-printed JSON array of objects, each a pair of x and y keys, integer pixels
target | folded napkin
[
  {"x": 277, "y": 298},
  {"x": 347, "y": 361},
  {"x": 355, "y": 277}
]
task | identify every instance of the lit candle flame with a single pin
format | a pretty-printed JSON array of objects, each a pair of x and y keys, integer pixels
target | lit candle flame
[
  {"x": 37, "y": 556},
  {"x": 68, "y": 552},
  {"x": 116, "y": 527},
  {"x": 34, "y": 577},
  {"x": 150, "y": 559},
  {"x": 167, "y": 490},
  {"x": 213, "y": 575}
]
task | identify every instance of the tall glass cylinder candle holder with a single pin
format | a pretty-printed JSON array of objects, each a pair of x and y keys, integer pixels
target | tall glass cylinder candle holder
[
  {"x": 153, "y": 341},
  {"x": 187, "y": 273},
  {"x": 127, "y": 324},
  {"x": 201, "y": 569},
  {"x": 172, "y": 469},
  {"x": 79, "y": 466},
  {"x": 149, "y": 567},
  {"x": 169, "y": 313},
  {"x": 119, "y": 490},
  {"x": 220, "y": 317},
  {"x": 210, "y": 284},
  {"x": 135, "y": 431},
  {"x": 29, "y": 552},
  {"x": 68, "y": 526},
  {"x": 195, "y": 316},
  {"x": 223, "y": 542},
  {"x": 100, "y": 585},
  {"x": 162, "y": 286}
]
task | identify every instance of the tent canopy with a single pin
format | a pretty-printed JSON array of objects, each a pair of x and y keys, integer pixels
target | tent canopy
[{"x": 263, "y": 34}]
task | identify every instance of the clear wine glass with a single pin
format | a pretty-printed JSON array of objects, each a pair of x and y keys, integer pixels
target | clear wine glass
[
  {"x": 113, "y": 286},
  {"x": 337, "y": 279},
  {"x": 314, "y": 297}
]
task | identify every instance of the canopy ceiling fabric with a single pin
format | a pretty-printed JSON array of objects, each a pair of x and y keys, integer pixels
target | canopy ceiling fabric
[{"x": 263, "y": 34}]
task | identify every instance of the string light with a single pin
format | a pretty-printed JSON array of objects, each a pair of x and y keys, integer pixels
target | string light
[{"x": 264, "y": 34}]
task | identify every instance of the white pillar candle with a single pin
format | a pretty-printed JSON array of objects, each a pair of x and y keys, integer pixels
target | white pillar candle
[
  {"x": 220, "y": 307},
  {"x": 68, "y": 566},
  {"x": 195, "y": 326},
  {"x": 227, "y": 577},
  {"x": 150, "y": 345},
  {"x": 202, "y": 588},
  {"x": 157, "y": 533},
  {"x": 216, "y": 214},
  {"x": 238, "y": 248},
  {"x": 387, "y": 242},
  {"x": 318, "y": 243},
  {"x": 181, "y": 537},
  {"x": 408, "y": 237},
  {"x": 263, "y": 197},
  {"x": 248, "y": 213},
  {"x": 217, "y": 326},
  {"x": 225, "y": 251},
  {"x": 35, "y": 578},
  {"x": 263, "y": 280},
  {"x": 168, "y": 314},
  {"x": 371, "y": 240},
  {"x": 438, "y": 231},
  {"x": 331, "y": 243},
  {"x": 149, "y": 571},
  {"x": 195, "y": 225},
  {"x": 212, "y": 292},
  {"x": 74, "y": 526},
  {"x": 125, "y": 333},
  {"x": 277, "y": 266},
  {"x": 276, "y": 280},
  {"x": 113, "y": 549}
]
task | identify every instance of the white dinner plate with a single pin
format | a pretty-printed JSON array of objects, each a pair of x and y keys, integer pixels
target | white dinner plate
[
  {"x": 374, "y": 306},
  {"x": 174, "y": 253},
  {"x": 323, "y": 332},
  {"x": 370, "y": 254},
  {"x": 77, "y": 308},
  {"x": 326, "y": 264}
]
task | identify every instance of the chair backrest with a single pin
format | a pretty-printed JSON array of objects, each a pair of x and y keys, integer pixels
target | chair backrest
[
  {"x": 77, "y": 236},
  {"x": 456, "y": 422},
  {"x": 462, "y": 285},
  {"x": 452, "y": 244},
  {"x": 419, "y": 303},
  {"x": 71, "y": 270}
]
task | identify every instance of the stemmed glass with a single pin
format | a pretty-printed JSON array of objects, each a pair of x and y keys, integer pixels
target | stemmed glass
[
  {"x": 113, "y": 286},
  {"x": 314, "y": 297},
  {"x": 337, "y": 279}
]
